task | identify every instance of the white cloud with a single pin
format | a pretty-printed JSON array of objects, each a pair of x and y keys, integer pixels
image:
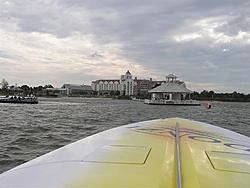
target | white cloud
[
  {"x": 208, "y": 65},
  {"x": 48, "y": 39},
  {"x": 187, "y": 37}
]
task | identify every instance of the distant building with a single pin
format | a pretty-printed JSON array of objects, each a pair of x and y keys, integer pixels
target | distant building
[
  {"x": 105, "y": 86},
  {"x": 56, "y": 92},
  {"x": 68, "y": 90},
  {"x": 126, "y": 85},
  {"x": 142, "y": 86},
  {"x": 72, "y": 89},
  {"x": 173, "y": 89}
]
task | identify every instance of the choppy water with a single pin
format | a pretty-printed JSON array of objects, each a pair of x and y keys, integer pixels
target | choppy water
[{"x": 28, "y": 131}]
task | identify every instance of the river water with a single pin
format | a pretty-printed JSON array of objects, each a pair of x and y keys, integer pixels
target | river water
[{"x": 28, "y": 131}]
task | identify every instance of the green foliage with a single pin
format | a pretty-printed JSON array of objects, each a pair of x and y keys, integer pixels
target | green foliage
[
  {"x": 48, "y": 86},
  {"x": 127, "y": 97},
  {"x": 4, "y": 84},
  {"x": 5, "y": 89},
  {"x": 211, "y": 95}
]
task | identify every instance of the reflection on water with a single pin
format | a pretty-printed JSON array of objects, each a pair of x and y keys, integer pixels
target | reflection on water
[{"x": 28, "y": 131}]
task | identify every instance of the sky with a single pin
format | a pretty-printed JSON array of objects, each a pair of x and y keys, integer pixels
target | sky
[{"x": 204, "y": 43}]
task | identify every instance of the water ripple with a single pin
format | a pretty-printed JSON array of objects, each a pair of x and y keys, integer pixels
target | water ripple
[{"x": 28, "y": 131}]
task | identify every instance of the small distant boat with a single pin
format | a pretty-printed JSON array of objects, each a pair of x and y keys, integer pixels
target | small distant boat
[
  {"x": 18, "y": 99},
  {"x": 136, "y": 99}
]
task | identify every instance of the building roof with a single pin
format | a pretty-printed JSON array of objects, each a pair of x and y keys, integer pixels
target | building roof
[
  {"x": 171, "y": 76},
  {"x": 107, "y": 80},
  {"x": 142, "y": 80},
  {"x": 158, "y": 82},
  {"x": 170, "y": 87},
  {"x": 77, "y": 87},
  {"x": 128, "y": 72}
]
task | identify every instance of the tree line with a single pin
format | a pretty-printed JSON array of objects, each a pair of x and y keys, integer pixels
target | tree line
[
  {"x": 6, "y": 89},
  {"x": 212, "y": 96}
]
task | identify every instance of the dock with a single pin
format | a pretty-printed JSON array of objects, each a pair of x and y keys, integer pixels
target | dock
[{"x": 173, "y": 102}]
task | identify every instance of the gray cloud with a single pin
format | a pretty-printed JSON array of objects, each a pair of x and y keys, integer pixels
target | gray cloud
[
  {"x": 96, "y": 54},
  {"x": 199, "y": 41}
]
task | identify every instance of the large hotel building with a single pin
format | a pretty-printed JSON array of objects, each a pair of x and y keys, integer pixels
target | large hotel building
[{"x": 126, "y": 85}]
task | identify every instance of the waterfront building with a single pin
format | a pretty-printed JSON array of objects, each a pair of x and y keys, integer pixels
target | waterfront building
[
  {"x": 73, "y": 89},
  {"x": 173, "y": 89},
  {"x": 171, "y": 93},
  {"x": 126, "y": 85},
  {"x": 123, "y": 86},
  {"x": 142, "y": 86},
  {"x": 106, "y": 86},
  {"x": 69, "y": 90},
  {"x": 56, "y": 92}
]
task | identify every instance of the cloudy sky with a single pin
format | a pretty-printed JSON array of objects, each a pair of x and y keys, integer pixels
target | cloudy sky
[{"x": 204, "y": 43}]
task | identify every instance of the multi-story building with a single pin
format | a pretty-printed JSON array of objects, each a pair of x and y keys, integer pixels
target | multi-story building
[
  {"x": 105, "y": 86},
  {"x": 125, "y": 86},
  {"x": 142, "y": 86}
]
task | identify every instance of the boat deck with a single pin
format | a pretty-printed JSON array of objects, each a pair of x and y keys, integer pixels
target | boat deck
[
  {"x": 19, "y": 100},
  {"x": 173, "y": 102}
]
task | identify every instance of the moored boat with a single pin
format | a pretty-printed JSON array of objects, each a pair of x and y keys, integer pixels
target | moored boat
[{"x": 18, "y": 99}]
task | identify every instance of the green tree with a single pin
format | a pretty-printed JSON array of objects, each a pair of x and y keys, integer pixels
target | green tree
[
  {"x": 26, "y": 89},
  {"x": 117, "y": 93},
  {"x": 211, "y": 94},
  {"x": 37, "y": 90},
  {"x": 4, "y": 84},
  {"x": 48, "y": 86}
]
